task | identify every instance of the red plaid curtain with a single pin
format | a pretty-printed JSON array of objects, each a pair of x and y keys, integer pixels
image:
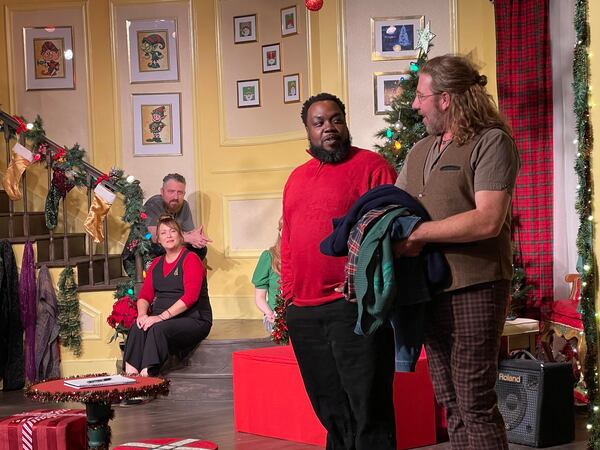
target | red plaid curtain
[{"x": 524, "y": 75}]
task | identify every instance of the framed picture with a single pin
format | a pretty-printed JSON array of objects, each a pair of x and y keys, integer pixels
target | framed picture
[
  {"x": 156, "y": 125},
  {"x": 387, "y": 88},
  {"x": 271, "y": 58},
  {"x": 152, "y": 50},
  {"x": 291, "y": 88},
  {"x": 248, "y": 93},
  {"x": 48, "y": 58},
  {"x": 289, "y": 24},
  {"x": 395, "y": 37},
  {"x": 244, "y": 29}
]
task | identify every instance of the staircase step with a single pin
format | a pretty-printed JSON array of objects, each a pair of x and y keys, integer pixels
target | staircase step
[
  {"x": 76, "y": 246},
  {"x": 72, "y": 261},
  {"x": 37, "y": 224},
  {"x": 115, "y": 269},
  {"x": 207, "y": 373},
  {"x": 101, "y": 286}
]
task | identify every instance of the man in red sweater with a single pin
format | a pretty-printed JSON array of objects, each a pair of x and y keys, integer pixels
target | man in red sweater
[{"x": 348, "y": 377}]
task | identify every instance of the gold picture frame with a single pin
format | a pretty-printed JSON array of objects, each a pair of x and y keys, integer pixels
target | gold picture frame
[{"x": 395, "y": 37}]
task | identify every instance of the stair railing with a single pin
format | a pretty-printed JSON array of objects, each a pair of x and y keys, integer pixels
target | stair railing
[{"x": 10, "y": 125}]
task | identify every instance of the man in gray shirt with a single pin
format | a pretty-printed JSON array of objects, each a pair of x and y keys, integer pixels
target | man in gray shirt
[{"x": 171, "y": 201}]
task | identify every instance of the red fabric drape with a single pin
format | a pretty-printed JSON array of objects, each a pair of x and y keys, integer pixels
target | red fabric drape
[{"x": 524, "y": 75}]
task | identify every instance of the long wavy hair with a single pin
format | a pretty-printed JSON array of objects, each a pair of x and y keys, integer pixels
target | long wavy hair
[
  {"x": 275, "y": 251},
  {"x": 472, "y": 108}
]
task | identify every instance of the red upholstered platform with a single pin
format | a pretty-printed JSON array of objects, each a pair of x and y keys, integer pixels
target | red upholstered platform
[{"x": 269, "y": 399}]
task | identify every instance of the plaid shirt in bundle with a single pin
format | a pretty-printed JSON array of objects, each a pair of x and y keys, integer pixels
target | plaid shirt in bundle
[{"x": 354, "y": 240}]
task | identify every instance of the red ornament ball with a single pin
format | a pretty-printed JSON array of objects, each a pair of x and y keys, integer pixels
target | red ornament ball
[{"x": 314, "y": 5}]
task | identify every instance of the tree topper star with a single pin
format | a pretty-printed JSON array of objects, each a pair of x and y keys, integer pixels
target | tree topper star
[{"x": 424, "y": 37}]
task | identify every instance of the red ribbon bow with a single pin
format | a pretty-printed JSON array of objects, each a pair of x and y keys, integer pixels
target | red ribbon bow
[
  {"x": 22, "y": 127},
  {"x": 101, "y": 178},
  {"x": 59, "y": 154}
]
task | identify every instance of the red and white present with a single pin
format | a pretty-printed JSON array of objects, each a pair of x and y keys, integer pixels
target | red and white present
[
  {"x": 44, "y": 429},
  {"x": 169, "y": 444}
]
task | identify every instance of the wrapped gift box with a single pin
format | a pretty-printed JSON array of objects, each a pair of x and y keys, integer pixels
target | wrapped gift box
[{"x": 44, "y": 429}]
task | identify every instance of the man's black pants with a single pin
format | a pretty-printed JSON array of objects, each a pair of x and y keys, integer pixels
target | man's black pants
[{"x": 349, "y": 378}]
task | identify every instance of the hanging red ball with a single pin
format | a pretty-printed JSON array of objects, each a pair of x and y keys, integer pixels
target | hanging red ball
[{"x": 314, "y": 5}]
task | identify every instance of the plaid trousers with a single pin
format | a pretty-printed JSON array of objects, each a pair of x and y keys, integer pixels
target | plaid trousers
[{"x": 462, "y": 343}]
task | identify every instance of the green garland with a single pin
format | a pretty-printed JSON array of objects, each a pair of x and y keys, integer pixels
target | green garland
[
  {"x": 71, "y": 161},
  {"x": 280, "y": 334},
  {"x": 586, "y": 264},
  {"x": 69, "y": 316}
]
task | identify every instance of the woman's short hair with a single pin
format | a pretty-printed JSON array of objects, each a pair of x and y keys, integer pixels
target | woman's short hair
[{"x": 169, "y": 221}]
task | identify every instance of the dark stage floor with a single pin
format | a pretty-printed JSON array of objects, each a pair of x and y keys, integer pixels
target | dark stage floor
[{"x": 203, "y": 420}]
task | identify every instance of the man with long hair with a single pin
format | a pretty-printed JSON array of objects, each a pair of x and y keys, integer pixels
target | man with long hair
[
  {"x": 464, "y": 173},
  {"x": 348, "y": 377}
]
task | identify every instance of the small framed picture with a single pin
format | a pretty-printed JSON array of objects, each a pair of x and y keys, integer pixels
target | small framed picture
[
  {"x": 248, "y": 93},
  {"x": 244, "y": 29},
  {"x": 387, "y": 88},
  {"x": 48, "y": 58},
  {"x": 291, "y": 88},
  {"x": 152, "y": 50},
  {"x": 395, "y": 37},
  {"x": 289, "y": 23},
  {"x": 156, "y": 125},
  {"x": 271, "y": 58}
]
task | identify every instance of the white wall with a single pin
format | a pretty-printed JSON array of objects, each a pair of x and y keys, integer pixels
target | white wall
[{"x": 565, "y": 223}]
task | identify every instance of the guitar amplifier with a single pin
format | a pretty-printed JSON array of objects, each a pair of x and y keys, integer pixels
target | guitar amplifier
[{"x": 536, "y": 401}]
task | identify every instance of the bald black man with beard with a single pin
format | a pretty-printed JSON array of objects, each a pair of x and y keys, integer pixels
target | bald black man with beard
[{"x": 348, "y": 377}]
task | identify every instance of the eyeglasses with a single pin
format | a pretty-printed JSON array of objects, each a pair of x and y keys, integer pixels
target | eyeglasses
[{"x": 421, "y": 97}]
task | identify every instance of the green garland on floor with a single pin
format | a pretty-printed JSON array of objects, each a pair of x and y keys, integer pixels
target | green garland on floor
[{"x": 587, "y": 262}]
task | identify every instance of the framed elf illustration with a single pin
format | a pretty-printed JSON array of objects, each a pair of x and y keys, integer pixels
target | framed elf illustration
[
  {"x": 395, "y": 37},
  {"x": 289, "y": 21},
  {"x": 291, "y": 88},
  {"x": 244, "y": 29},
  {"x": 48, "y": 58},
  {"x": 248, "y": 93},
  {"x": 156, "y": 124},
  {"x": 271, "y": 58},
  {"x": 152, "y": 48}
]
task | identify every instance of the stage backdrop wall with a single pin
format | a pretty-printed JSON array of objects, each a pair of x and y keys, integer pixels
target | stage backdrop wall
[{"x": 228, "y": 173}]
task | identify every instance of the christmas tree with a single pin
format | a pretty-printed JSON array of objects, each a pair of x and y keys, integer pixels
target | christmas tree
[
  {"x": 69, "y": 321},
  {"x": 403, "y": 39},
  {"x": 405, "y": 126}
]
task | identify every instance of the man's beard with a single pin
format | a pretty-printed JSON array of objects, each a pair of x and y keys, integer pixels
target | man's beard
[
  {"x": 337, "y": 154},
  {"x": 436, "y": 123},
  {"x": 172, "y": 209}
]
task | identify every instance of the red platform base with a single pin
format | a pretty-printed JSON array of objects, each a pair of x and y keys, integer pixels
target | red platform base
[{"x": 269, "y": 399}]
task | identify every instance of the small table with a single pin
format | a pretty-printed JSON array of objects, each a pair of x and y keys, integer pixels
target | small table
[
  {"x": 98, "y": 401},
  {"x": 520, "y": 333}
]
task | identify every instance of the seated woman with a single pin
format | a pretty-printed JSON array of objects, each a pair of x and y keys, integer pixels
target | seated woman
[{"x": 174, "y": 312}]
